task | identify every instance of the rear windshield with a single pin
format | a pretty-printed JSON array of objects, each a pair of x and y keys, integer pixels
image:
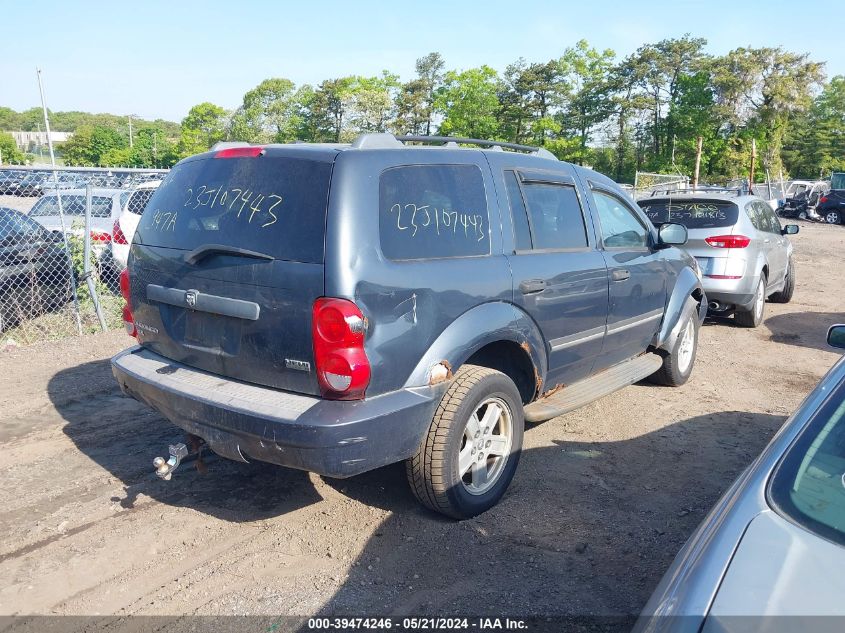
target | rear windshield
[
  {"x": 71, "y": 205},
  {"x": 693, "y": 214},
  {"x": 809, "y": 484},
  {"x": 275, "y": 206},
  {"x": 837, "y": 180}
]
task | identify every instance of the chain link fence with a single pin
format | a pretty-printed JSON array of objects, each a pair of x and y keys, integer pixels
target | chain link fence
[{"x": 62, "y": 247}]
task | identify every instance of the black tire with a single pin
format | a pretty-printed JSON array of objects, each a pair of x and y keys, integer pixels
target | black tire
[
  {"x": 676, "y": 370},
  {"x": 802, "y": 215},
  {"x": 833, "y": 217},
  {"x": 785, "y": 295},
  {"x": 433, "y": 471},
  {"x": 753, "y": 317}
]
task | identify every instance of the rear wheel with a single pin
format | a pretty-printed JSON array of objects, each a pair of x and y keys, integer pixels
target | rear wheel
[
  {"x": 833, "y": 217},
  {"x": 754, "y": 317},
  {"x": 468, "y": 458},
  {"x": 677, "y": 364},
  {"x": 785, "y": 295}
]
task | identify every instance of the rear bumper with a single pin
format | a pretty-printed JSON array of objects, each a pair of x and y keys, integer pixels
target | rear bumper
[
  {"x": 243, "y": 421},
  {"x": 736, "y": 292}
]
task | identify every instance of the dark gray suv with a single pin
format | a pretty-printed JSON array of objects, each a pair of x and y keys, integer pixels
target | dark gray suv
[{"x": 337, "y": 308}]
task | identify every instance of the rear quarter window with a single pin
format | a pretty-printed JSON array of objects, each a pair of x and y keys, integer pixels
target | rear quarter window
[
  {"x": 693, "y": 214},
  {"x": 433, "y": 211}
]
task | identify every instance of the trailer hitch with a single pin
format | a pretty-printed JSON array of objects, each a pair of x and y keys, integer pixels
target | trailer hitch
[{"x": 178, "y": 452}]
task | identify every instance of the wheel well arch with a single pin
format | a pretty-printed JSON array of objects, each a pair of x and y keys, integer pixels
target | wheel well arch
[{"x": 513, "y": 360}]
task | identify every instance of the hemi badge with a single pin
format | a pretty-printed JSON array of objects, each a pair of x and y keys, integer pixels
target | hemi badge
[{"x": 299, "y": 365}]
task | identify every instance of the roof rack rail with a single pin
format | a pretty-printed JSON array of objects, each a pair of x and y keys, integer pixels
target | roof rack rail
[
  {"x": 737, "y": 191},
  {"x": 383, "y": 140},
  {"x": 454, "y": 140}
]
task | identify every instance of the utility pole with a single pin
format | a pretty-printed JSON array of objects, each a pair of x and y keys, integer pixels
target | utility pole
[
  {"x": 697, "y": 162},
  {"x": 130, "y": 131},
  {"x": 59, "y": 200},
  {"x": 753, "y": 160}
]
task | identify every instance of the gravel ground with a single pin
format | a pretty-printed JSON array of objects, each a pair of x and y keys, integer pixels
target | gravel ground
[{"x": 603, "y": 498}]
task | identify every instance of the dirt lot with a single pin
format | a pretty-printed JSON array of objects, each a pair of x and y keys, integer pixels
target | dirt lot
[{"x": 603, "y": 498}]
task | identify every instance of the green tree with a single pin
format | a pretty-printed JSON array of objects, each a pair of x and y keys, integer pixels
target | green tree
[
  {"x": 269, "y": 113},
  {"x": 469, "y": 103},
  {"x": 586, "y": 74},
  {"x": 9, "y": 153},
  {"x": 94, "y": 146},
  {"x": 758, "y": 90},
  {"x": 329, "y": 107},
  {"x": 815, "y": 143},
  {"x": 204, "y": 126},
  {"x": 373, "y": 103}
]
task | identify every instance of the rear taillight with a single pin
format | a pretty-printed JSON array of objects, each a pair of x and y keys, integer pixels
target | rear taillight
[
  {"x": 117, "y": 235},
  {"x": 240, "y": 152},
  {"x": 823, "y": 199},
  {"x": 100, "y": 237},
  {"x": 728, "y": 241},
  {"x": 337, "y": 332},
  {"x": 128, "y": 319}
]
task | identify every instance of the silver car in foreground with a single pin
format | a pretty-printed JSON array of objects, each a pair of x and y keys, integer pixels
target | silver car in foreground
[
  {"x": 774, "y": 544},
  {"x": 740, "y": 245}
]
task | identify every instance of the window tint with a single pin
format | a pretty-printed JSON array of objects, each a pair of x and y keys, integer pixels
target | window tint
[
  {"x": 430, "y": 211},
  {"x": 693, "y": 214},
  {"x": 556, "y": 219},
  {"x": 71, "y": 205},
  {"x": 521, "y": 232},
  {"x": 139, "y": 200},
  {"x": 620, "y": 228},
  {"x": 272, "y": 205},
  {"x": 809, "y": 485}
]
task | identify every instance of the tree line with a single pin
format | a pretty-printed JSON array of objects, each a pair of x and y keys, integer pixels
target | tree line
[{"x": 642, "y": 112}]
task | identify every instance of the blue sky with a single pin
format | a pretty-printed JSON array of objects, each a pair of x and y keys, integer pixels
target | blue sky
[{"x": 157, "y": 59}]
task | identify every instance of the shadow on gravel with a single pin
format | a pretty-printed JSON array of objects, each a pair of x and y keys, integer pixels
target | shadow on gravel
[
  {"x": 804, "y": 329},
  {"x": 584, "y": 533},
  {"x": 123, "y": 436}
]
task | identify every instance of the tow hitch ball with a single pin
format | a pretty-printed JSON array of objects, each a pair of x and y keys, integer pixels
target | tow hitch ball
[{"x": 164, "y": 469}]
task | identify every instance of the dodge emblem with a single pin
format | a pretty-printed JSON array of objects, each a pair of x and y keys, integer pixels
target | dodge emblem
[{"x": 191, "y": 298}]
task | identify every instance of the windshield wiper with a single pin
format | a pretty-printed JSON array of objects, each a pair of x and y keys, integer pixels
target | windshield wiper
[{"x": 206, "y": 250}]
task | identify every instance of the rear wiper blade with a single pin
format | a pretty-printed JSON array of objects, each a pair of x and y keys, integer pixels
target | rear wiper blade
[{"x": 206, "y": 250}]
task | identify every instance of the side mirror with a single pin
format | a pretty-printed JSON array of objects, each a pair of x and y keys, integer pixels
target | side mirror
[
  {"x": 789, "y": 229},
  {"x": 671, "y": 234},
  {"x": 836, "y": 336}
]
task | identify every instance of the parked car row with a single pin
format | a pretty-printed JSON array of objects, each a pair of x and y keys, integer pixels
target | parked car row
[
  {"x": 34, "y": 183},
  {"x": 34, "y": 275}
]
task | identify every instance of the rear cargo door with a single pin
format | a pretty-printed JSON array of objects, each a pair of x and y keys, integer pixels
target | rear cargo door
[{"x": 228, "y": 260}]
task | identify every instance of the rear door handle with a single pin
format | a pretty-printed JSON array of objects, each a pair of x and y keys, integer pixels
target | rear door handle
[
  {"x": 530, "y": 286},
  {"x": 620, "y": 274}
]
